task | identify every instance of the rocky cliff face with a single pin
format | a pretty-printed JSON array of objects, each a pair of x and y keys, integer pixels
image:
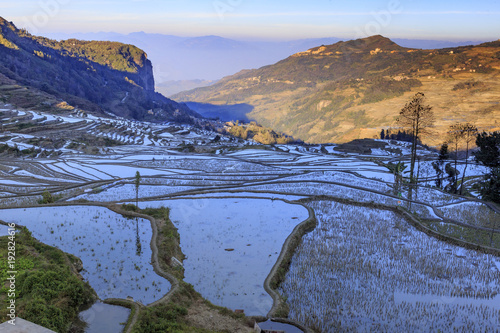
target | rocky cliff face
[
  {"x": 97, "y": 76},
  {"x": 147, "y": 77}
]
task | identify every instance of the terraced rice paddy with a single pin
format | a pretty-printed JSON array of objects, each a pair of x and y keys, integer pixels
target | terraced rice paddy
[{"x": 365, "y": 267}]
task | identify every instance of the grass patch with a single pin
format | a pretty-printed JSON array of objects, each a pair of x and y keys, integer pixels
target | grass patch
[
  {"x": 162, "y": 318},
  {"x": 48, "y": 290},
  {"x": 168, "y": 238},
  {"x": 48, "y": 198}
]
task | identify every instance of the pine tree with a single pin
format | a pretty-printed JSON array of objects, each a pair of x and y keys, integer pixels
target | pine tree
[
  {"x": 454, "y": 136},
  {"x": 469, "y": 134},
  {"x": 417, "y": 117},
  {"x": 489, "y": 155}
]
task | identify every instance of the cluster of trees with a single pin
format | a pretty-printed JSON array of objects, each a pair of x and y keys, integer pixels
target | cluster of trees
[
  {"x": 418, "y": 117},
  {"x": 401, "y": 135},
  {"x": 463, "y": 135},
  {"x": 382, "y": 88},
  {"x": 468, "y": 85},
  {"x": 489, "y": 155}
]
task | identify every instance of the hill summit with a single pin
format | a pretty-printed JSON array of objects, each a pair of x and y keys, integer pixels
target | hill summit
[
  {"x": 368, "y": 44},
  {"x": 96, "y": 76}
]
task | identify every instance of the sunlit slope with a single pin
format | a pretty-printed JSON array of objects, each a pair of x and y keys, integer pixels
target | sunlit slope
[{"x": 353, "y": 89}]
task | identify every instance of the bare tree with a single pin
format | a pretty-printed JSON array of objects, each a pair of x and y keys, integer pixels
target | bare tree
[
  {"x": 458, "y": 134},
  {"x": 455, "y": 137},
  {"x": 469, "y": 134},
  {"x": 417, "y": 117}
]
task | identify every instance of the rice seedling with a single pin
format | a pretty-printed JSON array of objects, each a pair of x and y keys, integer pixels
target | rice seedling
[{"x": 364, "y": 269}]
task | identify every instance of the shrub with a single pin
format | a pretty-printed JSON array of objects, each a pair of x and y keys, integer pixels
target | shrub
[{"x": 46, "y": 198}]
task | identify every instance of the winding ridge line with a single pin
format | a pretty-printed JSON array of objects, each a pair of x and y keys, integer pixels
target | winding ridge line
[
  {"x": 287, "y": 250},
  {"x": 154, "y": 261}
]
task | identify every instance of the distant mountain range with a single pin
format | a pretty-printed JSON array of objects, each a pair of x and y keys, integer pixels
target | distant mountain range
[
  {"x": 181, "y": 62},
  {"x": 350, "y": 90},
  {"x": 95, "y": 76}
]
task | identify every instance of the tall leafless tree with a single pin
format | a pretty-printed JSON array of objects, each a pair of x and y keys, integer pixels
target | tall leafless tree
[
  {"x": 469, "y": 134},
  {"x": 417, "y": 118},
  {"x": 454, "y": 137}
]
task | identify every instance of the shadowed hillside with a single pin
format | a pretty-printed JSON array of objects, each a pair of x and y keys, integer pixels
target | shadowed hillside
[{"x": 96, "y": 76}]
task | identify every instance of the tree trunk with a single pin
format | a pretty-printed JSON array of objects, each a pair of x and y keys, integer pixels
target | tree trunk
[
  {"x": 455, "y": 176},
  {"x": 413, "y": 158},
  {"x": 466, "y": 163},
  {"x": 418, "y": 176}
]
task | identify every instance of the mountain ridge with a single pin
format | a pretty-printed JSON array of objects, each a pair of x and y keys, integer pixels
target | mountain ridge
[
  {"x": 350, "y": 90},
  {"x": 166, "y": 50},
  {"x": 97, "y": 76}
]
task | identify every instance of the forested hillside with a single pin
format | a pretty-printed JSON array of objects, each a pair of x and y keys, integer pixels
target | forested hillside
[{"x": 95, "y": 76}]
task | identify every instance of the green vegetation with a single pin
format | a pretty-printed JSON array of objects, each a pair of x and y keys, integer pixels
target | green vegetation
[
  {"x": 168, "y": 238},
  {"x": 29, "y": 152},
  {"x": 137, "y": 183},
  {"x": 94, "y": 75},
  {"x": 172, "y": 316},
  {"x": 48, "y": 198},
  {"x": 489, "y": 156},
  {"x": 48, "y": 289},
  {"x": 163, "y": 318},
  {"x": 382, "y": 88},
  {"x": 118, "y": 56}
]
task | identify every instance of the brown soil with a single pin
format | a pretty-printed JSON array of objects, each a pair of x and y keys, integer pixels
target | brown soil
[{"x": 202, "y": 316}]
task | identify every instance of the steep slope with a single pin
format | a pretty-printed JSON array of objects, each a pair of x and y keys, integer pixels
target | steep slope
[
  {"x": 97, "y": 76},
  {"x": 353, "y": 89}
]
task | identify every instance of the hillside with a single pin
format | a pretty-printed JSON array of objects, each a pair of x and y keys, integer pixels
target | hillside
[
  {"x": 353, "y": 89},
  {"x": 95, "y": 76}
]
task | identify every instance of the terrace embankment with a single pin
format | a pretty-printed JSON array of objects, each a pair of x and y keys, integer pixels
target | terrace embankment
[{"x": 277, "y": 274}]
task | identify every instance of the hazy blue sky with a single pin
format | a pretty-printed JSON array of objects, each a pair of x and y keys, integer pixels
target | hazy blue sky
[{"x": 274, "y": 19}]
